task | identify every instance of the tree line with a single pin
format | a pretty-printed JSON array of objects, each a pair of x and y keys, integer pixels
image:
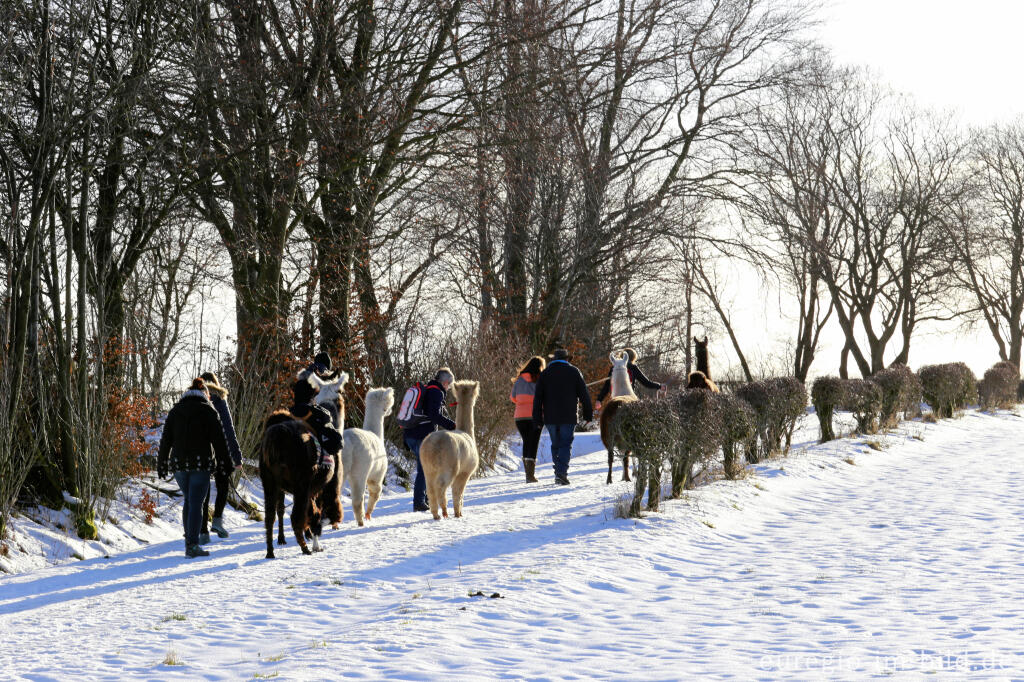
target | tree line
[{"x": 400, "y": 183}]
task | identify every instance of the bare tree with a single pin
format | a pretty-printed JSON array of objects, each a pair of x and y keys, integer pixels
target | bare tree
[{"x": 989, "y": 238}]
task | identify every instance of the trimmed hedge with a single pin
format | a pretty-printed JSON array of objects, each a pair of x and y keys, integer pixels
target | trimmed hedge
[
  {"x": 650, "y": 429},
  {"x": 864, "y": 399},
  {"x": 861, "y": 397},
  {"x": 738, "y": 431},
  {"x": 827, "y": 394},
  {"x": 901, "y": 394},
  {"x": 788, "y": 404},
  {"x": 948, "y": 388},
  {"x": 700, "y": 434},
  {"x": 999, "y": 386}
]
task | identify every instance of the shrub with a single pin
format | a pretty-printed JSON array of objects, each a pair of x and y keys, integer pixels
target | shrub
[
  {"x": 901, "y": 394},
  {"x": 738, "y": 430},
  {"x": 948, "y": 388},
  {"x": 650, "y": 429},
  {"x": 1020, "y": 392},
  {"x": 756, "y": 394},
  {"x": 777, "y": 404},
  {"x": 864, "y": 399},
  {"x": 998, "y": 388},
  {"x": 700, "y": 426},
  {"x": 788, "y": 402},
  {"x": 827, "y": 393}
]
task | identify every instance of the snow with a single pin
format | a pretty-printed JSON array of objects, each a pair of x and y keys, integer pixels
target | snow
[{"x": 897, "y": 555}]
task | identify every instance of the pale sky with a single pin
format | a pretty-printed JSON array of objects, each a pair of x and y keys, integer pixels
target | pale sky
[{"x": 950, "y": 54}]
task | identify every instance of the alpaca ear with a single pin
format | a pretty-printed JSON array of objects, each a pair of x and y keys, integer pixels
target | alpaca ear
[
  {"x": 611, "y": 357},
  {"x": 705, "y": 339}
]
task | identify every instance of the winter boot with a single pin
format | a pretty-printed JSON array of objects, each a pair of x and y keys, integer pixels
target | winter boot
[
  {"x": 204, "y": 538},
  {"x": 217, "y": 526},
  {"x": 194, "y": 551},
  {"x": 531, "y": 467}
]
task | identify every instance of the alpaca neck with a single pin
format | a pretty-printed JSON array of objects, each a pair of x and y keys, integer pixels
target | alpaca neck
[
  {"x": 702, "y": 363},
  {"x": 620, "y": 383},
  {"x": 464, "y": 418},
  {"x": 373, "y": 421}
]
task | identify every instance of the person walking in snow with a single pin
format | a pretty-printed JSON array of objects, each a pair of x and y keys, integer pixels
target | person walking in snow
[
  {"x": 318, "y": 418},
  {"x": 523, "y": 390},
  {"x": 635, "y": 376},
  {"x": 192, "y": 446},
  {"x": 319, "y": 374},
  {"x": 218, "y": 398},
  {"x": 559, "y": 389},
  {"x": 431, "y": 414}
]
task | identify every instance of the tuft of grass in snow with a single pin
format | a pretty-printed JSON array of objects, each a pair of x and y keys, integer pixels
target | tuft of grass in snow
[
  {"x": 875, "y": 444},
  {"x": 707, "y": 523},
  {"x": 175, "y": 616},
  {"x": 172, "y": 658},
  {"x": 319, "y": 644},
  {"x": 265, "y": 676},
  {"x": 850, "y": 461},
  {"x": 622, "y": 507},
  {"x": 275, "y": 658}
]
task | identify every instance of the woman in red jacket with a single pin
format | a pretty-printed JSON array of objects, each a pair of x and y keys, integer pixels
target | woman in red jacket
[{"x": 523, "y": 390}]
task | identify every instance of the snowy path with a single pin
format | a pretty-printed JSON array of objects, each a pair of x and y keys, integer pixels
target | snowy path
[{"x": 907, "y": 561}]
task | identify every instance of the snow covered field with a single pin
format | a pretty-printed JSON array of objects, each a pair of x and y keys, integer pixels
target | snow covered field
[{"x": 840, "y": 561}]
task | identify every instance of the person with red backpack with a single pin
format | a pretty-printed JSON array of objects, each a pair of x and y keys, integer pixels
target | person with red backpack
[{"x": 423, "y": 409}]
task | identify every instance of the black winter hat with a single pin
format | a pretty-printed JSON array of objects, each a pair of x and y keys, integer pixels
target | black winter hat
[
  {"x": 323, "y": 359},
  {"x": 561, "y": 354},
  {"x": 303, "y": 392}
]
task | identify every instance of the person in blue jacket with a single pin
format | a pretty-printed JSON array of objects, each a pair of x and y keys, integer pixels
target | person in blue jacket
[
  {"x": 218, "y": 396},
  {"x": 434, "y": 414}
]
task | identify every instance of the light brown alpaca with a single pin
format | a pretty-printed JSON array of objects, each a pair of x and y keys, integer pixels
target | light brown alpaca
[
  {"x": 622, "y": 392},
  {"x": 449, "y": 458}
]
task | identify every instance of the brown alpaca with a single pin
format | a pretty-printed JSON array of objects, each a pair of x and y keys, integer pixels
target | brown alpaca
[
  {"x": 291, "y": 461},
  {"x": 699, "y": 380},
  {"x": 449, "y": 458},
  {"x": 622, "y": 392},
  {"x": 700, "y": 352}
]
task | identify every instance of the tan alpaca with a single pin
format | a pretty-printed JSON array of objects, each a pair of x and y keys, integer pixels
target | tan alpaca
[
  {"x": 449, "y": 458},
  {"x": 622, "y": 392}
]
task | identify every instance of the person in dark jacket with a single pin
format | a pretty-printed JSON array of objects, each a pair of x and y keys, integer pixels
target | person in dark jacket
[
  {"x": 434, "y": 415},
  {"x": 559, "y": 389},
  {"x": 218, "y": 397},
  {"x": 635, "y": 376},
  {"x": 316, "y": 416},
  {"x": 192, "y": 446}
]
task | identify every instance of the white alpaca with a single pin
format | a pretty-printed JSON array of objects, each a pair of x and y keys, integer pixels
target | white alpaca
[
  {"x": 621, "y": 385},
  {"x": 449, "y": 458},
  {"x": 364, "y": 459}
]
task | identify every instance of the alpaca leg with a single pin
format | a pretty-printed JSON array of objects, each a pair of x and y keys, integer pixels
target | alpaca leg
[
  {"x": 280, "y": 518},
  {"x": 434, "y": 498},
  {"x": 458, "y": 489},
  {"x": 300, "y": 519},
  {"x": 373, "y": 487},
  {"x": 625, "y": 465},
  {"x": 611, "y": 463},
  {"x": 270, "y": 509},
  {"x": 358, "y": 491},
  {"x": 316, "y": 543}
]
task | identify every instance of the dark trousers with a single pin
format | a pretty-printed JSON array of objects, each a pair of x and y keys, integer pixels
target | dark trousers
[
  {"x": 195, "y": 486},
  {"x": 332, "y": 407},
  {"x": 223, "y": 483},
  {"x": 419, "y": 487},
  {"x": 530, "y": 432},
  {"x": 561, "y": 447}
]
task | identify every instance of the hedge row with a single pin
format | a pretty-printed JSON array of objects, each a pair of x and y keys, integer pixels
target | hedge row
[
  {"x": 895, "y": 393},
  {"x": 692, "y": 426}
]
